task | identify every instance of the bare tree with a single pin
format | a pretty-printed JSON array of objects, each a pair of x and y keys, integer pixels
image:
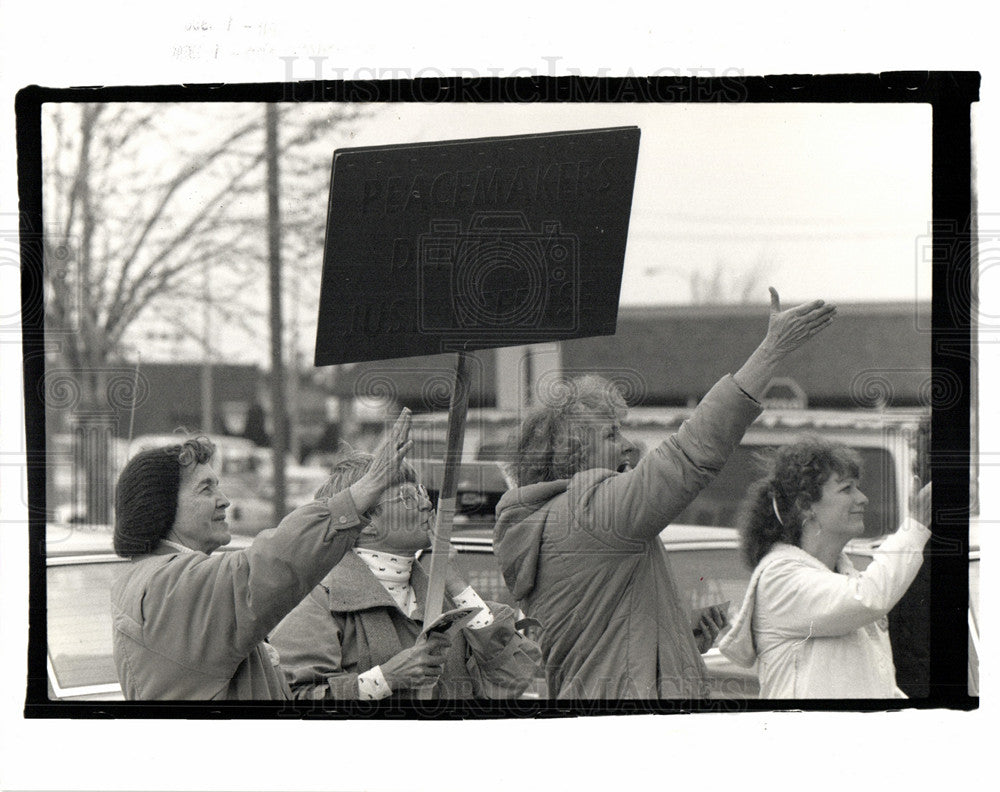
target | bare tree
[{"x": 138, "y": 200}]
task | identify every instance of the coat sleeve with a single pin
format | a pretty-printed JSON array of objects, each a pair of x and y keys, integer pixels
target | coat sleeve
[
  {"x": 501, "y": 661},
  {"x": 310, "y": 642},
  {"x": 209, "y": 611},
  {"x": 803, "y": 601},
  {"x": 638, "y": 504}
]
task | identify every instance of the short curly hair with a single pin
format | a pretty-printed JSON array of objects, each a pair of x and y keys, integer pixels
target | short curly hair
[
  {"x": 349, "y": 468},
  {"x": 552, "y": 442},
  {"x": 775, "y": 505}
]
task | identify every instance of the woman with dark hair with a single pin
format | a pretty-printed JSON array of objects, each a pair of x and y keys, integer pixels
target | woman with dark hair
[
  {"x": 358, "y": 633},
  {"x": 815, "y": 625},
  {"x": 190, "y": 623}
]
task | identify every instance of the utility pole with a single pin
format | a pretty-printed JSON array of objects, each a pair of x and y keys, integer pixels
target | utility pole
[
  {"x": 279, "y": 439},
  {"x": 206, "y": 357},
  {"x": 294, "y": 412}
]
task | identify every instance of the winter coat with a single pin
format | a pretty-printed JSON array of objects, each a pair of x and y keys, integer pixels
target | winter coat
[
  {"x": 190, "y": 625},
  {"x": 349, "y": 624},
  {"x": 816, "y": 633},
  {"x": 583, "y": 556}
]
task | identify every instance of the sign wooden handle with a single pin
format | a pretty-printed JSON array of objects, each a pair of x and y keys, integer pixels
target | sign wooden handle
[
  {"x": 449, "y": 491},
  {"x": 447, "y": 499}
]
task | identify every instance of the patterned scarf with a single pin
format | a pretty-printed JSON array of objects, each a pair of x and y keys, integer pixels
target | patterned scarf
[{"x": 393, "y": 572}]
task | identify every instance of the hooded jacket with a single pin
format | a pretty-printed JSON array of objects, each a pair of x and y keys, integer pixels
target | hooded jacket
[
  {"x": 349, "y": 624},
  {"x": 583, "y": 557},
  {"x": 190, "y": 626},
  {"x": 819, "y": 633}
]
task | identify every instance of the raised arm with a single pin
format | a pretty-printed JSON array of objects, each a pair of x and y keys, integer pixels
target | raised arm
[
  {"x": 239, "y": 597},
  {"x": 799, "y": 600},
  {"x": 638, "y": 504}
]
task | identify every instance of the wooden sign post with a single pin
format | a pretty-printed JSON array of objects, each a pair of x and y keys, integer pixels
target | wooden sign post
[{"x": 448, "y": 493}]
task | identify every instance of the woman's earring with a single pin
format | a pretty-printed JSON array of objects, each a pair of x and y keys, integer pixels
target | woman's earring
[{"x": 812, "y": 518}]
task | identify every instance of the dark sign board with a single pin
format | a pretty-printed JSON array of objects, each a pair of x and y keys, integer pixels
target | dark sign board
[{"x": 471, "y": 244}]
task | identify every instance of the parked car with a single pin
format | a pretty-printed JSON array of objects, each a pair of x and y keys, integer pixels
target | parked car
[
  {"x": 892, "y": 443},
  {"x": 252, "y": 508},
  {"x": 705, "y": 561},
  {"x": 81, "y": 567}
]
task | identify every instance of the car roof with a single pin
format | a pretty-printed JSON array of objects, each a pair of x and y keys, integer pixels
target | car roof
[
  {"x": 673, "y": 536},
  {"x": 96, "y": 542}
]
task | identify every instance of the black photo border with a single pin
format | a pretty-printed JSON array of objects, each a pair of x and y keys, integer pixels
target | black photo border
[{"x": 950, "y": 95}]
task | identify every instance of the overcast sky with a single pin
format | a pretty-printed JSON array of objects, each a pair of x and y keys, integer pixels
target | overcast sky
[
  {"x": 834, "y": 199},
  {"x": 820, "y": 200}
]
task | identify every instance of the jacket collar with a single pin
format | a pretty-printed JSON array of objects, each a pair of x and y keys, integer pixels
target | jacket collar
[{"x": 351, "y": 586}]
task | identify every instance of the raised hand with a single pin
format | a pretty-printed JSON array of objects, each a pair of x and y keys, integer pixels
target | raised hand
[
  {"x": 786, "y": 331},
  {"x": 920, "y": 505},
  {"x": 790, "y": 329},
  {"x": 386, "y": 459}
]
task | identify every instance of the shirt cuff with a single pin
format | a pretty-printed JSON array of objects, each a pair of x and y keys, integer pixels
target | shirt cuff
[
  {"x": 470, "y": 599},
  {"x": 343, "y": 511},
  {"x": 372, "y": 685}
]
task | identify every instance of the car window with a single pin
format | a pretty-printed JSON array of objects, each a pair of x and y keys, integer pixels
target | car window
[
  {"x": 718, "y": 504},
  {"x": 79, "y": 623},
  {"x": 710, "y": 576}
]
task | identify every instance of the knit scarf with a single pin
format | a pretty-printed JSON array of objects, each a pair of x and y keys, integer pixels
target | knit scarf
[{"x": 393, "y": 572}]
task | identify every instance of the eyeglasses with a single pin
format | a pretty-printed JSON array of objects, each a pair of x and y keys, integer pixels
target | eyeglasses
[{"x": 412, "y": 496}]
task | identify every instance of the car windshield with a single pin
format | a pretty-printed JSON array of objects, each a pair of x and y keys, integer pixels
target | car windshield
[
  {"x": 79, "y": 623},
  {"x": 718, "y": 504}
]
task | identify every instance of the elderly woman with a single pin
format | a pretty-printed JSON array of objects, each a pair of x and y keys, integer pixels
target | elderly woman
[
  {"x": 815, "y": 625},
  {"x": 578, "y": 537},
  {"x": 358, "y": 633},
  {"x": 190, "y": 623}
]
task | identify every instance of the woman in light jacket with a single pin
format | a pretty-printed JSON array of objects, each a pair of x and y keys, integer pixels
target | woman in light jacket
[{"x": 815, "y": 625}]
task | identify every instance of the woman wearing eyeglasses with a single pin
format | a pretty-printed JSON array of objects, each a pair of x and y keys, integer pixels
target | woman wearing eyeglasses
[{"x": 357, "y": 634}]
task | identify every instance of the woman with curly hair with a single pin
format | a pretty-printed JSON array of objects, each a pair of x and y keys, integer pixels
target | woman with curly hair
[
  {"x": 577, "y": 538},
  {"x": 815, "y": 625}
]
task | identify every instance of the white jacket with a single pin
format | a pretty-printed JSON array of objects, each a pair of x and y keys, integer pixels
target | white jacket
[{"x": 816, "y": 633}]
